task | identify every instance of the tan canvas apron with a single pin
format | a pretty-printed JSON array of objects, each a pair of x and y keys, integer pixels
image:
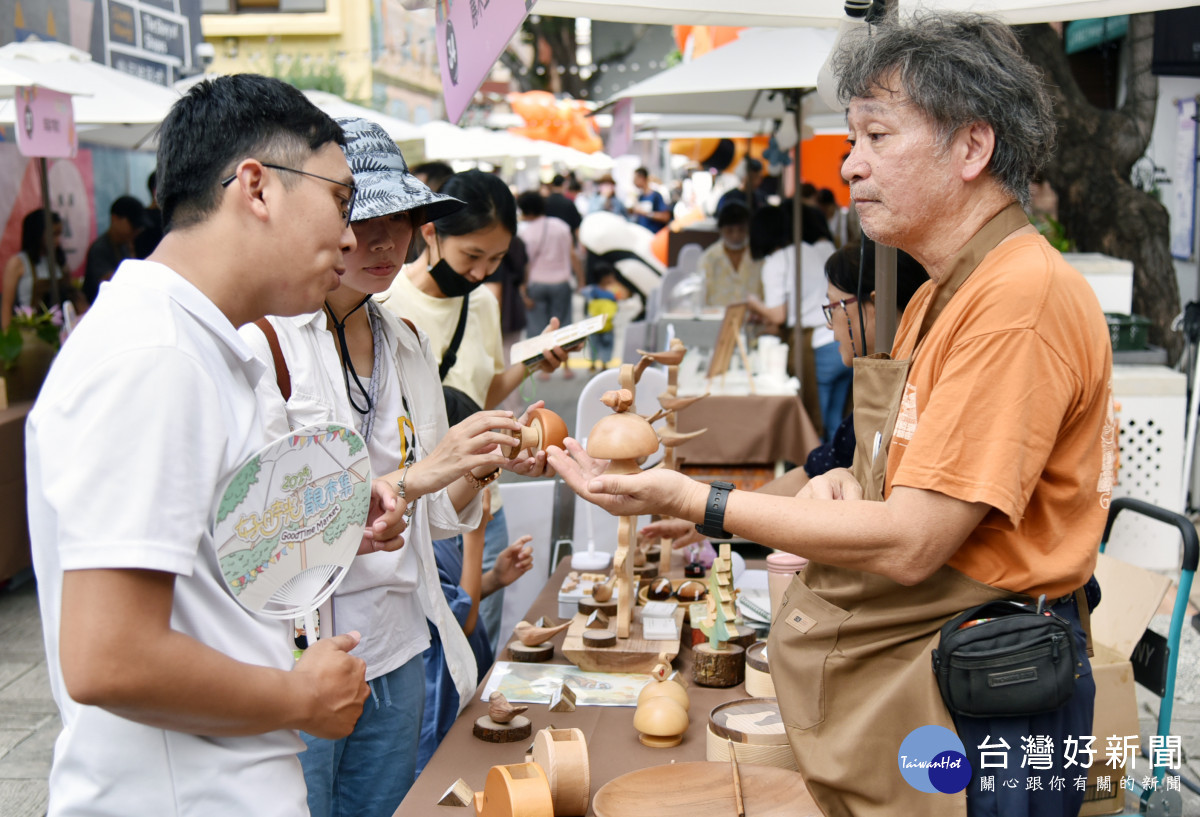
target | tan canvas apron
[{"x": 850, "y": 651}]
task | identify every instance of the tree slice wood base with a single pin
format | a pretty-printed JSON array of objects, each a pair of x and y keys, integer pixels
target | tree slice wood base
[
  {"x": 743, "y": 636},
  {"x": 599, "y": 638},
  {"x": 718, "y": 668},
  {"x": 530, "y": 655},
  {"x": 588, "y": 606},
  {"x": 646, "y": 571},
  {"x": 486, "y": 729}
]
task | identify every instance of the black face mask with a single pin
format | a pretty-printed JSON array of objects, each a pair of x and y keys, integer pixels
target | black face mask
[{"x": 450, "y": 282}]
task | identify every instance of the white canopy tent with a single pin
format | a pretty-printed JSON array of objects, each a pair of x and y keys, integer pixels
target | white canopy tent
[
  {"x": 830, "y": 12},
  {"x": 112, "y": 108},
  {"x": 335, "y": 106}
]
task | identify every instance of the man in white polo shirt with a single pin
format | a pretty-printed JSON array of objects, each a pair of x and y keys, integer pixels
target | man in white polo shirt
[{"x": 174, "y": 699}]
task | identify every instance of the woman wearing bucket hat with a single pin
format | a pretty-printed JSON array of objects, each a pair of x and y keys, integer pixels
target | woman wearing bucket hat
[
  {"x": 439, "y": 290},
  {"x": 357, "y": 364}
]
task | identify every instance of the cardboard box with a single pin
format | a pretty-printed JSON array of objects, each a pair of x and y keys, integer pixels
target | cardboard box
[{"x": 1130, "y": 596}]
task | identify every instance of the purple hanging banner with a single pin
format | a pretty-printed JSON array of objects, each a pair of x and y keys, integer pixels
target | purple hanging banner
[{"x": 471, "y": 36}]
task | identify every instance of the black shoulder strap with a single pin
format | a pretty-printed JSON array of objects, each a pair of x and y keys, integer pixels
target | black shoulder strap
[
  {"x": 450, "y": 356},
  {"x": 282, "y": 376}
]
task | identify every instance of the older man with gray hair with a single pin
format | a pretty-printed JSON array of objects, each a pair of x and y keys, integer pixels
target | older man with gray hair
[{"x": 985, "y": 458}]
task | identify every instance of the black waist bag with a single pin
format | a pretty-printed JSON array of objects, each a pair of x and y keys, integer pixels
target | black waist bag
[{"x": 1005, "y": 658}]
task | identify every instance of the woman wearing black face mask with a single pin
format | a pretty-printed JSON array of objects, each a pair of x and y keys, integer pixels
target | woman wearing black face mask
[{"x": 440, "y": 287}]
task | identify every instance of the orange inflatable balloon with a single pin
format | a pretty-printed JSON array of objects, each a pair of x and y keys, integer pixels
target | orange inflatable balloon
[
  {"x": 658, "y": 244},
  {"x": 563, "y": 122}
]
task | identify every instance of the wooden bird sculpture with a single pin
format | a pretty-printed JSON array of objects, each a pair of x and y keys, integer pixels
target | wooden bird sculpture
[
  {"x": 531, "y": 635},
  {"x": 500, "y": 710}
]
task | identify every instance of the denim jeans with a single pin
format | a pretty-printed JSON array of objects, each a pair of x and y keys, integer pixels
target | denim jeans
[
  {"x": 833, "y": 387},
  {"x": 549, "y": 301},
  {"x": 367, "y": 773}
]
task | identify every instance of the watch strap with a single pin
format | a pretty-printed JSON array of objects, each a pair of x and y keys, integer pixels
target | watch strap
[{"x": 714, "y": 511}]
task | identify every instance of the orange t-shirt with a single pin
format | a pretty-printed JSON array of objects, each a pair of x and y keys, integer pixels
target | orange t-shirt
[{"x": 1009, "y": 402}]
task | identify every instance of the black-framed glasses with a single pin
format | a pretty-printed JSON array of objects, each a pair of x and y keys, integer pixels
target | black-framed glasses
[
  {"x": 827, "y": 309},
  {"x": 351, "y": 186}
]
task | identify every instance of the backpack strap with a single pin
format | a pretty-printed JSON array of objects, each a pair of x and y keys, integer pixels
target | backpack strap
[
  {"x": 282, "y": 377},
  {"x": 450, "y": 356}
]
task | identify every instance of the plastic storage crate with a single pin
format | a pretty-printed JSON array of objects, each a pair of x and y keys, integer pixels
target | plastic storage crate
[
  {"x": 1151, "y": 408},
  {"x": 1129, "y": 332}
]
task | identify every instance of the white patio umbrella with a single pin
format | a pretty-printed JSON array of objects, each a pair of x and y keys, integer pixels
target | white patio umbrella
[
  {"x": 112, "y": 108},
  {"x": 739, "y": 78}
]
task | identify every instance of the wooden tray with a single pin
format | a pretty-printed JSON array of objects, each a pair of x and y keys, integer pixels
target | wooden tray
[
  {"x": 704, "y": 789},
  {"x": 631, "y": 654}
]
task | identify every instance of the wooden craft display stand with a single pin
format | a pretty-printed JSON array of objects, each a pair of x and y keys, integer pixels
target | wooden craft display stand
[
  {"x": 729, "y": 337},
  {"x": 622, "y": 438}
]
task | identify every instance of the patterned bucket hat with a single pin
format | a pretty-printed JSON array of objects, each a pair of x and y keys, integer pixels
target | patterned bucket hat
[{"x": 385, "y": 185}]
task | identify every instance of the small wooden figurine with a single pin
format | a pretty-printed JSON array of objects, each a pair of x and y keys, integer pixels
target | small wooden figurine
[
  {"x": 545, "y": 429},
  {"x": 531, "y": 635},
  {"x": 504, "y": 722},
  {"x": 533, "y": 642}
]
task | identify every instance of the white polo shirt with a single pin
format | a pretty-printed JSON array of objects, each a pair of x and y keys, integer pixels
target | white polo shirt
[{"x": 148, "y": 408}]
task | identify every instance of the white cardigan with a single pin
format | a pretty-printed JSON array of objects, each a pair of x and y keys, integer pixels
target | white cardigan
[{"x": 319, "y": 396}]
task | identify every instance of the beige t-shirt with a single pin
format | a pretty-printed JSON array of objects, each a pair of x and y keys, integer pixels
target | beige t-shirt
[{"x": 481, "y": 353}]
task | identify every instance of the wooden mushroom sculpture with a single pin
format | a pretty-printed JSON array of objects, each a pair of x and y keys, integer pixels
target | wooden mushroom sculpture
[
  {"x": 623, "y": 439},
  {"x": 545, "y": 428}
]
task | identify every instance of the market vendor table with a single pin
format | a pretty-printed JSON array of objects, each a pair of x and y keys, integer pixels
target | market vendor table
[
  {"x": 613, "y": 745},
  {"x": 747, "y": 429}
]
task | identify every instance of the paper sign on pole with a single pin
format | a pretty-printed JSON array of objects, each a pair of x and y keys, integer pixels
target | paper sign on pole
[
  {"x": 471, "y": 36},
  {"x": 620, "y": 135},
  {"x": 45, "y": 123}
]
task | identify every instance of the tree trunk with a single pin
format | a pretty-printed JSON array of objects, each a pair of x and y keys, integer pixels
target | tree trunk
[{"x": 1099, "y": 207}]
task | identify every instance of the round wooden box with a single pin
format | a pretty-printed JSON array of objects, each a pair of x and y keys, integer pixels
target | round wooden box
[{"x": 756, "y": 729}]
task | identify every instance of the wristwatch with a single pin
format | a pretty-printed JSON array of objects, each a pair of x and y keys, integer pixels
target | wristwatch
[{"x": 714, "y": 511}]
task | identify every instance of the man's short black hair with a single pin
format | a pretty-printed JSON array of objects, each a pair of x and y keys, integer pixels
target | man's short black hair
[
  {"x": 825, "y": 197},
  {"x": 732, "y": 214},
  {"x": 808, "y": 190},
  {"x": 130, "y": 209},
  {"x": 641, "y": 171},
  {"x": 434, "y": 173},
  {"x": 531, "y": 203},
  {"x": 558, "y": 181},
  {"x": 220, "y": 122},
  {"x": 753, "y": 165}
]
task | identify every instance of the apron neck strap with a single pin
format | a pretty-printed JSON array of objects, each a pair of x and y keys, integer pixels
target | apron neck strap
[{"x": 998, "y": 227}]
